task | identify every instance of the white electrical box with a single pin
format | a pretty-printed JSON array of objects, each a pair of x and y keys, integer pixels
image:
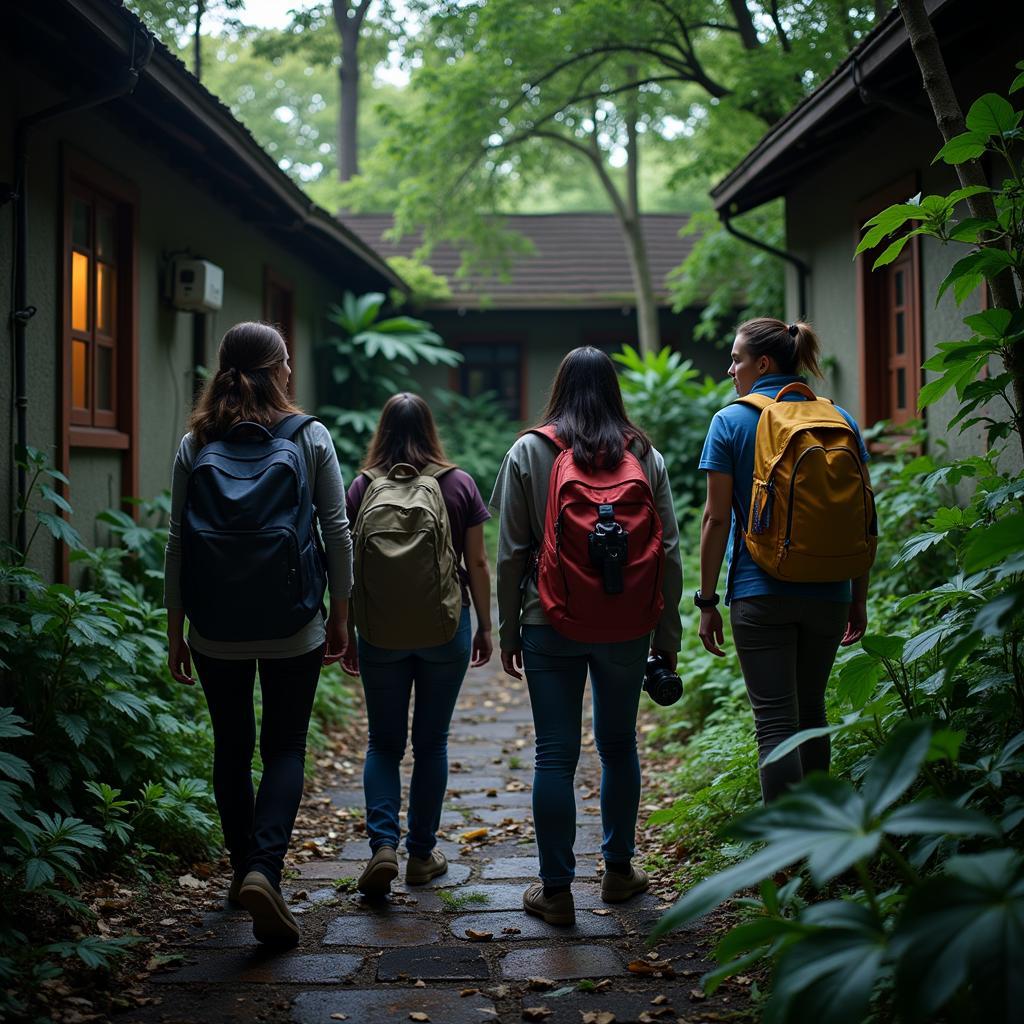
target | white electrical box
[{"x": 198, "y": 286}]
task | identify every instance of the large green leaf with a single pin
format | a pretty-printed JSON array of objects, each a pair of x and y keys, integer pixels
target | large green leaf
[
  {"x": 965, "y": 927},
  {"x": 858, "y": 679},
  {"x": 938, "y": 817},
  {"x": 992, "y": 114},
  {"x": 831, "y": 974},
  {"x": 896, "y": 765},
  {"x": 991, "y": 544},
  {"x": 969, "y": 272}
]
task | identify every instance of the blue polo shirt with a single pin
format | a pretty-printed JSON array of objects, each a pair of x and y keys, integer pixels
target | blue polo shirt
[{"x": 729, "y": 448}]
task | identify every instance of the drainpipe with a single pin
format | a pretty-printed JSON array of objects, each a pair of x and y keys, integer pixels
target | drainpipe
[
  {"x": 802, "y": 269},
  {"x": 22, "y": 312}
]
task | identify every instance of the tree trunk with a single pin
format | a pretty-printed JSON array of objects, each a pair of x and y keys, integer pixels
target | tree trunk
[
  {"x": 648, "y": 335},
  {"x": 197, "y": 41},
  {"x": 950, "y": 120},
  {"x": 745, "y": 23},
  {"x": 349, "y": 27}
]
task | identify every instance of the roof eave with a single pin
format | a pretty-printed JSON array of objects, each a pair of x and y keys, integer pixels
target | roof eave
[
  {"x": 738, "y": 191},
  {"x": 164, "y": 72}
]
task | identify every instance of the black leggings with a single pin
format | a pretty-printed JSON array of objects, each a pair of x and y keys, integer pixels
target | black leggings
[{"x": 257, "y": 828}]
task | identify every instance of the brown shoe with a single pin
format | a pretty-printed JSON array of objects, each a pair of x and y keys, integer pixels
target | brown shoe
[
  {"x": 616, "y": 888},
  {"x": 420, "y": 870},
  {"x": 379, "y": 873},
  {"x": 560, "y": 909},
  {"x": 272, "y": 921}
]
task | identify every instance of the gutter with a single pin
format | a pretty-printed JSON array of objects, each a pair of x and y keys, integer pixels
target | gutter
[
  {"x": 803, "y": 271},
  {"x": 22, "y": 312}
]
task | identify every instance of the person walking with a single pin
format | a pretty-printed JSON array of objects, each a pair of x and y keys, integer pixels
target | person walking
[
  {"x": 420, "y": 559},
  {"x": 588, "y": 567},
  {"x": 252, "y": 479},
  {"x": 802, "y": 463}
]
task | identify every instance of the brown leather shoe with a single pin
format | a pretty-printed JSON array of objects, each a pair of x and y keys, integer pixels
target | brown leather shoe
[
  {"x": 379, "y": 873},
  {"x": 272, "y": 921},
  {"x": 560, "y": 909},
  {"x": 616, "y": 888},
  {"x": 420, "y": 870}
]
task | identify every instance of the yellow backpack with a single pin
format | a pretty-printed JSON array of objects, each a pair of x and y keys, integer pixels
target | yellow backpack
[{"x": 812, "y": 512}]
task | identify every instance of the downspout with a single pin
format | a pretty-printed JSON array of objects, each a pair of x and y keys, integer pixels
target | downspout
[
  {"x": 22, "y": 312},
  {"x": 802, "y": 269}
]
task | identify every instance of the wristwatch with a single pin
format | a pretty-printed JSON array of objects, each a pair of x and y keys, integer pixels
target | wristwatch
[{"x": 705, "y": 603}]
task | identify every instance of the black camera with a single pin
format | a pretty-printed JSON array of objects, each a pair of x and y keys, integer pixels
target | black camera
[
  {"x": 609, "y": 548},
  {"x": 663, "y": 686}
]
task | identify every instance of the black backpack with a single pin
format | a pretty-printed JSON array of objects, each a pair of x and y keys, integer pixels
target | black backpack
[{"x": 253, "y": 568}]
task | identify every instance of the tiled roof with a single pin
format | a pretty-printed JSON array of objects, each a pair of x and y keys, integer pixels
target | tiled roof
[{"x": 579, "y": 260}]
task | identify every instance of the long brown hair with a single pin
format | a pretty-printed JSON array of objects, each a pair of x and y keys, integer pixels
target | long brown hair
[
  {"x": 246, "y": 385},
  {"x": 406, "y": 432},
  {"x": 794, "y": 347},
  {"x": 587, "y": 410}
]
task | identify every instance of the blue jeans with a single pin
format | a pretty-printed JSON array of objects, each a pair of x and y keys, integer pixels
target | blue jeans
[
  {"x": 556, "y": 674},
  {"x": 388, "y": 680}
]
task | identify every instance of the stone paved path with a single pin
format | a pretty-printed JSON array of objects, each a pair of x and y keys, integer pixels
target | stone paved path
[{"x": 413, "y": 955}]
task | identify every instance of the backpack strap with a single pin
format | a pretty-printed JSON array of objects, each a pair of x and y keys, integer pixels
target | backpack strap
[
  {"x": 290, "y": 427},
  {"x": 436, "y": 471},
  {"x": 758, "y": 402},
  {"x": 551, "y": 433}
]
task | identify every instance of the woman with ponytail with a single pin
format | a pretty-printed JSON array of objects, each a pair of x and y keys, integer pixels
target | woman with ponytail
[
  {"x": 247, "y": 398},
  {"x": 786, "y": 633}
]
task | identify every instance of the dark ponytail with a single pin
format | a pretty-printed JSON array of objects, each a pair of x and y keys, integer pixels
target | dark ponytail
[{"x": 794, "y": 347}]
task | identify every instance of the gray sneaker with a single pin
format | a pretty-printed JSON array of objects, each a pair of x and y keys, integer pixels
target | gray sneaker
[
  {"x": 560, "y": 909},
  {"x": 616, "y": 888},
  {"x": 378, "y": 875},
  {"x": 420, "y": 870},
  {"x": 272, "y": 921}
]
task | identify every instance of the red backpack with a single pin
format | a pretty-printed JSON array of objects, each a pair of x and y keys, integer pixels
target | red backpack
[{"x": 601, "y": 561}]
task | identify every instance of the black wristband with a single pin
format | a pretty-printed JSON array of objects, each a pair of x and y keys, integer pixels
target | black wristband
[{"x": 705, "y": 603}]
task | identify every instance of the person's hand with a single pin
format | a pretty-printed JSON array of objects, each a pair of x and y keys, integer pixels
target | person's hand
[
  {"x": 711, "y": 631},
  {"x": 482, "y": 648},
  {"x": 179, "y": 659},
  {"x": 670, "y": 658},
  {"x": 337, "y": 637},
  {"x": 856, "y": 623},
  {"x": 512, "y": 663}
]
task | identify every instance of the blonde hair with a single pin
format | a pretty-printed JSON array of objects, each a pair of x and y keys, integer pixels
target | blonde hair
[
  {"x": 246, "y": 386},
  {"x": 794, "y": 347}
]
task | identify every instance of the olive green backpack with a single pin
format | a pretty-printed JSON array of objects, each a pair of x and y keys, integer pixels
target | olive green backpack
[{"x": 407, "y": 592}]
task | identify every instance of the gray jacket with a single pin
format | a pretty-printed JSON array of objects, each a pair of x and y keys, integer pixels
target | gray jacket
[{"x": 519, "y": 501}]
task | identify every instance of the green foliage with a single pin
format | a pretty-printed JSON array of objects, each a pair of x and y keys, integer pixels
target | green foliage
[
  {"x": 730, "y": 280},
  {"x": 476, "y": 433},
  {"x": 665, "y": 395},
  {"x": 104, "y": 761},
  {"x": 914, "y": 843}
]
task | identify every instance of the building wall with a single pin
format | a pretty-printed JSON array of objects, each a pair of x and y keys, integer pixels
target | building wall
[
  {"x": 547, "y": 335},
  {"x": 821, "y": 226},
  {"x": 175, "y": 213}
]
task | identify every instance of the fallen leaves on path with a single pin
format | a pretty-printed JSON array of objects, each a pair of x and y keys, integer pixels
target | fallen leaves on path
[
  {"x": 536, "y": 1012},
  {"x": 474, "y": 936}
]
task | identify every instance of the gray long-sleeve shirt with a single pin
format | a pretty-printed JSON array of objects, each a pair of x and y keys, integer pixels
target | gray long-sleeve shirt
[
  {"x": 328, "y": 490},
  {"x": 520, "y": 497}
]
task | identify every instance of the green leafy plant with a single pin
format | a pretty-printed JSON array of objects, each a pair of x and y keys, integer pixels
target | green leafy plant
[{"x": 456, "y": 901}]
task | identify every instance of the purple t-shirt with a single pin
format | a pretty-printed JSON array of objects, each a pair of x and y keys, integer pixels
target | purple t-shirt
[{"x": 465, "y": 509}]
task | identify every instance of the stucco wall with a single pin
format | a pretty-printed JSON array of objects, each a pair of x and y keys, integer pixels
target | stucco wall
[
  {"x": 821, "y": 227},
  {"x": 174, "y": 213}
]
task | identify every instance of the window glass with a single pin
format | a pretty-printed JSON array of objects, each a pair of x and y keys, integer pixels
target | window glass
[
  {"x": 79, "y": 374},
  {"x": 493, "y": 368},
  {"x": 899, "y": 287},
  {"x": 901, "y": 333},
  {"x": 104, "y": 377},
  {"x": 79, "y": 291},
  {"x": 104, "y": 298},
  {"x": 901, "y": 388},
  {"x": 80, "y": 218},
  {"x": 105, "y": 234}
]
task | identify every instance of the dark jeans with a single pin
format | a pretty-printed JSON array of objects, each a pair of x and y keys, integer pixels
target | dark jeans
[
  {"x": 556, "y": 674},
  {"x": 786, "y": 647},
  {"x": 257, "y": 828},
  {"x": 388, "y": 681}
]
